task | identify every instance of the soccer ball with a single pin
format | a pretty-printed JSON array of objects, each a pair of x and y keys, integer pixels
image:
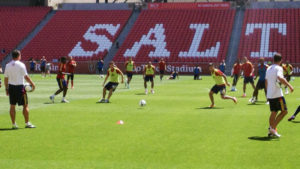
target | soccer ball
[
  {"x": 28, "y": 87},
  {"x": 101, "y": 76},
  {"x": 142, "y": 103}
]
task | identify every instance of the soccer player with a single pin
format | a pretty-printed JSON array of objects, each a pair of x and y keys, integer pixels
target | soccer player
[
  {"x": 100, "y": 64},
  {"x": 71, "y": 68},
  {"x": 130, "y": 67},
  {"x": 32, "y": 63},
  {"x": 295, "y": 114},
  {"x": 15, "y": 73},
  {"x": 287, "y": 72},
  {"x": 197, "y": 73},
  {"x": 60, "y": 78},
  {"x": 43, "y": 66},
  {"x": 222, "y": 66},
  {"x": 236, "y": 72},
  {"x": 148, "y": 75},
  {"x": 48, "y": 69},
  {"x": 248, "y": 70},
  {"x": 113, "y": 73},
  {"x": 274, "y": 75},
  {"x": 220, "y": 86},
  {"x": 174, "y": 75},
  {"x": 162, "y": 68},
  {"x": 261, "y": 72}
]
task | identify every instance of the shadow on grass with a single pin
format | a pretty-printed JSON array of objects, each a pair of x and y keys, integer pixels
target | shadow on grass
[
  {"x": 49, "y": 103},
  {"x": 265, "y": 138},
  {"x": 8, "y": 129},
  {"x": 255, "y": 104},
  {"x": 210, "y": 108},
  {"x": 295, "y": 121},
  {"x": 140, "y": 94}
]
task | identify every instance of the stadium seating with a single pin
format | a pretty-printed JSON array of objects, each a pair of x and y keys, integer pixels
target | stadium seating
[
  {"x": 266, "y": 31},
  {"x": 16, "y": 24},
  {"x": 179, "y": 36},
  {"x": 85, "y": 35}
]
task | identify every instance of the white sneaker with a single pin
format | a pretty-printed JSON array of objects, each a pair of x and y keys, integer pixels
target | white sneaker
[
  {"x": 152, "y": 91},
  {"x": 146, "y": 91},
  {"x": 267, "y": 102},
  {"x": 15, "y": 126},
  {"x": 29, "y": 125},
  {"x": 52, "y": 99},
  {"x": 101, "y": 101},
  {"x": 64, "y": 101},
  {"x": 253, "y": 100},
  {"x": 274, "y": 132}
]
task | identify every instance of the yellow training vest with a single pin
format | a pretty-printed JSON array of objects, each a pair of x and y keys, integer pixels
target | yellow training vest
[
  {"x": 129, "y": 66},
  {"x": 114, "y": 76},
  {"x": 149, "y": 70},
  {"x": 218, "y": 79}
]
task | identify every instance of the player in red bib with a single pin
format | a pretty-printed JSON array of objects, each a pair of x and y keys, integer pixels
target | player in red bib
[
  {"x": 248, "y": 71},
  {"x": 71, "y": 68},
  {"x": 62, "y": 84},
  {"x": 162, "y": 68},
  {"x": 236, "y": 73}
]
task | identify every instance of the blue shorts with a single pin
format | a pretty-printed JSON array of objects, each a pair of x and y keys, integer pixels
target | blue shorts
[{"x": 61, "y": 83}]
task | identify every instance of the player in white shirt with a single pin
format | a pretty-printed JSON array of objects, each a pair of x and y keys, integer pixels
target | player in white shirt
[
  {"x": 15, "y": 73},
  {"x": 274, "y": 77}
]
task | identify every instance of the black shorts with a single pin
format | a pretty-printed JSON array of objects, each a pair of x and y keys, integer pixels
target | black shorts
[
  {"x": 100, "y": 70},
  {"x": 17, "y": 94},
  {"x": 43, "y": 69},
  {"x": 70, "y": 76},
  {"x": 277, "y": 104},
  {"x": 129, "y": 74},
  {"x": 149, "y": 78},
  {"x": 32, "y": 69},
  {"x": 61, "y": 83},
  {"x": 219, "y": 88},
  {"x": 248, "y": 79},
  {"x": 236, "y": 77},
  {"x": 260, "y": 84},
  {"x": 287, "y": 77},
  {"x": 162, "y": 72},
  {"x": 111, "y": 85}
]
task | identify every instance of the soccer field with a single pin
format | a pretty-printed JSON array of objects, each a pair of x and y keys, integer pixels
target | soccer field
[{"x": 175, "y": 130}]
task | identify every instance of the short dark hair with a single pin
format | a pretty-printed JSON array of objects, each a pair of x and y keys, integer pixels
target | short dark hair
[
  {"x": 277, "y": 57},
  {"x": 16, "y": 53},
  {"x": 63, "y": 59}
]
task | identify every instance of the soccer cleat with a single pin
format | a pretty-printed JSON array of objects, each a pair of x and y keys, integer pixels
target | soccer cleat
[
  {"x": 29, "y": 125},
  {"x": 244, "y": 95},
  {"x": 152, "y": 91},
  {"x": 212, "y": 106},
  {"x": 291, "y": 118},
  {"x": 273, "y": 132},
  {"x": 253, "y": 100},
  {"x": 146, "y": 91},
  {"x": 106, "y": 101},
  {"x": 101, "y": 101},
  {"x": 15, "y": 126},
  {"x": 52, "y": 99},
  {"x": 64, "y": 101}
]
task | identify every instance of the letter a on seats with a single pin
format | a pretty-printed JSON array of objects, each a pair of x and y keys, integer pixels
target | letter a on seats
[
  {"x": 193, "y": 51},
  {"x": 103, "y": 42},
  {"x": 158, "y": 43}
]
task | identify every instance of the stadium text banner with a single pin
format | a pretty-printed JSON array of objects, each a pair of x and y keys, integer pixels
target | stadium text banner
[{"x": 204, "y": 5}]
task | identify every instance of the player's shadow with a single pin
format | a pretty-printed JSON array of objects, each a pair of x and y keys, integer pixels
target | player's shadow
[
  {"x": 295, "y": 121},
  {"x": 49, "y": 103},
  {"x": 264, "y": 138},
  {"x": 140, "y": 94},
  {"x": 210, "y": 108},
  {"x": 255, "y": 104},
  {"x": 8, "y": 129}
]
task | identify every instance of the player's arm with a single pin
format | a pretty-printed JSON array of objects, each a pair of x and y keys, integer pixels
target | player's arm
[
  {"x": 225, "y": 78},
  {"x": 106, "y": 77},
  {"x": 121, "y": 73},
  {"x": 285, "y": 82},
  {"x": 153, "y": 71},
  {"x": 252, "y": 70},
  {"x": 6, "y": 85},
  {"x": 144, "y": 72},
  {"x": 266, "y": 84},
  {"x": 28, "y": 79},
  {"x": 256, "y": 74}
]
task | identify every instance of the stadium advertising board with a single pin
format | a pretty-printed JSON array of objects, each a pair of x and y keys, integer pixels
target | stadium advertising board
[{"x": 204, "y": 5}]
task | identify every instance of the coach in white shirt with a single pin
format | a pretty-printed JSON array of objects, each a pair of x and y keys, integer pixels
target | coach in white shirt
[
  {"x": 274, "y": 78},
  {"x": 15, "y": 73}
]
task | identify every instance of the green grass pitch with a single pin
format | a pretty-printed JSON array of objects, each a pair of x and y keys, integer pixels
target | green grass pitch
[{"x": 173, "y": 131}]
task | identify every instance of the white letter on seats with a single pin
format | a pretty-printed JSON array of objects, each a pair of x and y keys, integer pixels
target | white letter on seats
[
  {"x": 265, "y": 36},
  {"x": 159, "y": 43},
  {"x": 103, "y": 42},
  {"x": 193, "y": 51}
]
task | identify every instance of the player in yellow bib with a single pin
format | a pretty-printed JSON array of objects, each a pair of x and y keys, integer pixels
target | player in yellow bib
[
  {"x": 148, "y": 75},
  {"x": 113, "y": 73},
  {"x": 220, "y": 86},
  {"x": 130, "y": 67},
  {"x": 287, "y": 72}
]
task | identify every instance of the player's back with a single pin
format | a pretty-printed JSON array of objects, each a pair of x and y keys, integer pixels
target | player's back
[{"x": 273, "y": 88}]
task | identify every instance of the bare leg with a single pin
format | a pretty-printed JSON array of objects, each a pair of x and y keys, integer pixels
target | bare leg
[
  {"x": 145, "y": 84},
  {"x": 65, "y": 91},
  {"x": 58, "y": 91},
  {"x": 104, "y": 93},
  {"x": 110, "y": 93},
  {"x": 228, "y": 97},
  {"x": 253, "y": 86},
  {"x": 272, "y": 119},
  {"x": 279, "y": 118},
  {"x": 211, "y": 96},
  {"x": 152, "y": 84},
  {"x": 26, "y": 113},
  {"x": 12, "y": 112},
  {"x": 128, "y": 80},
  {"x": 255, "y": 92},
  {"x": 244, "y": 88}
]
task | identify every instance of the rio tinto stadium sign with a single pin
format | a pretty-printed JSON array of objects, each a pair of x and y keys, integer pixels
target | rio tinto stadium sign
[{"x": 204, "y": 5}]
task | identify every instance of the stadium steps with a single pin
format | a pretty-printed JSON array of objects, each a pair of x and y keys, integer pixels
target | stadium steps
[
  {"x": 31, "y": 35},
  {"x": 235, "y": 37},
  {"x": 113, "y": 50}
]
